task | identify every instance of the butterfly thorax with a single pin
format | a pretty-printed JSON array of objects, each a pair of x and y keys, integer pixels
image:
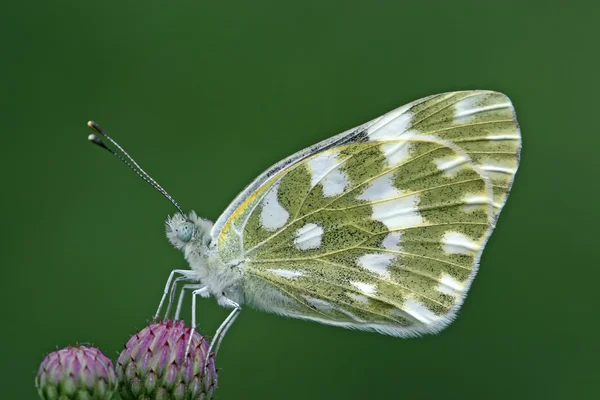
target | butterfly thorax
[{"x": 221, "y": 279}]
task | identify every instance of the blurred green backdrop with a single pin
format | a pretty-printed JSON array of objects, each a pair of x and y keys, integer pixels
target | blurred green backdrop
[{"x": 208, "y": 94}]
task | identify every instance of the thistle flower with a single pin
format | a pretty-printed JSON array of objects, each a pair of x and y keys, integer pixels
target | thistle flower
[
  {"x": 76, "y": 373},
  {"x": 154, "y": 365}
]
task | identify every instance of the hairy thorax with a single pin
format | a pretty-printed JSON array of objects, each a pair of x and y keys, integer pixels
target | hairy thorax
[{"x": 222, "y": 279}]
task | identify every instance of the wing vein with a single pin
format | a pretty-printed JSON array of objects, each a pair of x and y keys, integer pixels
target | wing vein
[
  {"x": 390, "y": 282},
  {"x": 340, "y": 196},
  {"x": 413, "y": 106},
  {"x": 416, "y": 256},
  {"x": 443, "y": 108},
  {"x": 331, "y": 299},
  {"x": 404, "y": 195},
  {"x": 467, "y": 125}
]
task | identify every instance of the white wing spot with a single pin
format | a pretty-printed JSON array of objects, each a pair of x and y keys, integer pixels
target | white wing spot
[
  {"x": 319, "y": 304},
  {"x": 449, "y": 285},
  {"x": 463, "y": 107},
  {"x": 420, "y": 312},
  {"x": 323, "y": 169},
  {"x": 392, "y": 241},
  {"x": 366, "y": 288},
  {"x": 474, "y": 201},
  {"x": 396, "y": 152},
  {"x": 308, "y": 237},
  {"x": 497, "y": 170},
  {"x": 359, "y": 298},
  {"x": 286, "y": 273},
  {"x": 467, "y": 109},
  {"x": 450, "y": 166},
  {"x": 326, "y": 307},
  {"x": 273, "y": 216},
  {"x": 398, "y": 213},
  {"x": 334, "y": 183},
  {"x": 392, "y": 124},
  {"x": 379, "y": 189},
  {"x": 349, "y": 314},
  {"x": 458, "y": 243},
  {"x": 378, "y": 263},
  {"x": 510, "y": 136}
]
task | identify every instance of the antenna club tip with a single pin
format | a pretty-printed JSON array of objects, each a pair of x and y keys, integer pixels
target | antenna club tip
[
  {"x": 96, "y": 127},
  {"x": 92, "y": 137}
]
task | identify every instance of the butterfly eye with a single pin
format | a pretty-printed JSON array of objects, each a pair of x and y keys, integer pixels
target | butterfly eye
[{"x": 185, "y": 231}]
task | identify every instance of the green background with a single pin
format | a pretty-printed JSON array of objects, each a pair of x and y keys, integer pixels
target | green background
[{"x": 206, "y": 95}]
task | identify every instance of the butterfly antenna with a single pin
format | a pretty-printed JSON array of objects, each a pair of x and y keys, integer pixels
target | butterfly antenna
[{"x": 127, "y": 160}]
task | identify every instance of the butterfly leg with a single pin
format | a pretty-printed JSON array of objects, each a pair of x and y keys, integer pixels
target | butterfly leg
[
  {"x": 220, "y": 334},
  {"x": 181, "y": 295},
  {"x": 198, "y": 292},
  {"x": 173, "y": 291},
  {"x": 167, "y": 286},
  {"x": 227, "y": 324},
  {"x": 186, "y": 274}
]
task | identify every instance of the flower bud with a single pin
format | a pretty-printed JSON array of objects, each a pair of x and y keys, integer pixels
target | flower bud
[
  {"x": 76, "y": 373},
  {"x": 154, "y": 365}
]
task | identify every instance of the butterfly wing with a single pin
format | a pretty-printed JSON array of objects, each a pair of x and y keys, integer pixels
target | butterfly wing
[
  {"x": 481, "y": 123},
  {"x": 380, "y": 228}
]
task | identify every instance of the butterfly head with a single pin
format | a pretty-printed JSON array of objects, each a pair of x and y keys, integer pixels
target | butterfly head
[{"x": 188, "y": 230}]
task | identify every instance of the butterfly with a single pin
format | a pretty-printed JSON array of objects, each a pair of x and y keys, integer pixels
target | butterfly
[{"x": 380, "y": 228}]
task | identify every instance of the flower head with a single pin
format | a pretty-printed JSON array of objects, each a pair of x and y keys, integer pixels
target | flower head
[
  {"x": 154, "y": 364},
  {"x": 79, "y": 372}
]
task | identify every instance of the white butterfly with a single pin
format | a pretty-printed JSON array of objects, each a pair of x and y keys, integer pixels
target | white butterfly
[{"x": 379, "y": 228}]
